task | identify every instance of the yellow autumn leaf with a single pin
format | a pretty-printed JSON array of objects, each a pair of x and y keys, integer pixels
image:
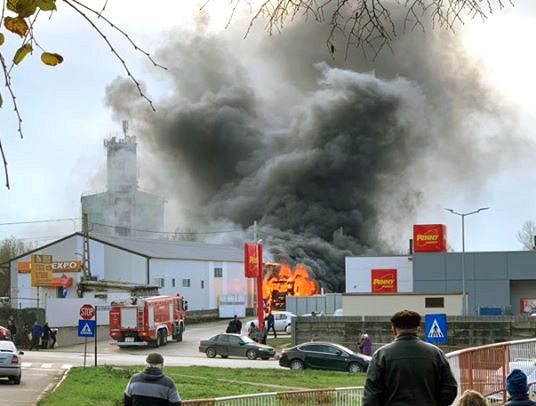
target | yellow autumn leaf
[
  {"x": 26, "y": 8},
  {"x": 51, "y": 59},
  {"x": 2, "y": 39},
  {"x": 12, "y": 5},
  {"x": 46, "y": 5},
  {"x": 21, "y": 53},
  {"x": 17, "y": 25}
]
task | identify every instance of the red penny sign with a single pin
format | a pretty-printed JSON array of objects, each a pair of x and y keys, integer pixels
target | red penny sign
[{"x": 87, "y": 312}]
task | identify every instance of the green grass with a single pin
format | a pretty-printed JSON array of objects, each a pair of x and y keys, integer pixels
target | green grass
[
  {"x": 279, "y": 342},
  {"x": 104, "y": 386}
]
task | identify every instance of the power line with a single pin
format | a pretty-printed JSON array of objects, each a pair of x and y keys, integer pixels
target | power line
[{"x": 40, "y": 221}]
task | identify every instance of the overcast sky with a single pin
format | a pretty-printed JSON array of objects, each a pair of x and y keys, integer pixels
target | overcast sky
[{"x": 66, "y": 120}]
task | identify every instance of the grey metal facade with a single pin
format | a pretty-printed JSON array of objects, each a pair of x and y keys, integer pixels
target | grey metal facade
[{"x": 492, "y": 279}]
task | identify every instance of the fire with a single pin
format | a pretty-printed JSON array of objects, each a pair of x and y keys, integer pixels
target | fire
[{"x": 280, "y": 281}]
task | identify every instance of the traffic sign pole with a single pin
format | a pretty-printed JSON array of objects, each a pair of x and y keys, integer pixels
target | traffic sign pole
[
  {"x": 96, "y": 335},
  {"x": 85, "y": 350}
]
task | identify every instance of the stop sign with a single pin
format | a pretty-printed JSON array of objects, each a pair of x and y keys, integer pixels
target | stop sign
[{"x": 87, "y": 312}]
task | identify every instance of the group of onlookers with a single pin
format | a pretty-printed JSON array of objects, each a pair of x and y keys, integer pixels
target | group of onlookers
[
  {"x": 409, "y": 371},
  {"x": 42, "y": 336},
  {"x": 37, "y": 337}
]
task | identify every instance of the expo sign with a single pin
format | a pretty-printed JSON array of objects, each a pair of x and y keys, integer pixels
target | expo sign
[
  {"x": 384, "y": 280},
  {"x": 429, "y": 237}
]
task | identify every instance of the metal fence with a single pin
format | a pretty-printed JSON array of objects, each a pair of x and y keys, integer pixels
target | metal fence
[
  {"x": 314, "y": 397},
  {"x": 485, "y": 368}
]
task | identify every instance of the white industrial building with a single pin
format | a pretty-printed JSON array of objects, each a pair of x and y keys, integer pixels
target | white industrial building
[
  {"x": 360, "y": 273},
  {"x": 202, "y": 273}
]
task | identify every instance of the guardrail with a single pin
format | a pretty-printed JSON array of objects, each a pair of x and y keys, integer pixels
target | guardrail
[
  {"x": 314, "y": 397},
  {"x": 485, "y": 368}
]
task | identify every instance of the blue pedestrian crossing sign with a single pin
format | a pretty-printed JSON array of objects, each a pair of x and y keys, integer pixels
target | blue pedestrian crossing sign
[
  {"x": 435, "y": 328},
  {"x": 86, "y": 328}
]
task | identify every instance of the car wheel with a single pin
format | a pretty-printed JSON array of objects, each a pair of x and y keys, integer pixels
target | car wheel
[
  {"x": 251, "y": 354},
  {"x": 16, "y": 379},
  {"x": 265, "y": 358},
  {"x": 211, "y": 352},
  {"x": 297, "y": 365},
  {"x": 354, "y": 368},
  {"x": 288, "y": 329}
]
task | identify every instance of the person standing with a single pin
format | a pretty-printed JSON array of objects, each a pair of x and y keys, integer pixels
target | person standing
[
  {"x": 46, "y": 336},
  {"x": 37, "y": 331},
  {"x": 12, "y": 327},
  {"x": 365, "y": 345},
  {"x": 409, "y": 371},
  {"x": 53, "y": 333},
  {"x": 151, "y": 387},
  {"x": 517, "y": 388},
  {"x": 237, "y": 325},
  {"x": 270, "y": 322}
]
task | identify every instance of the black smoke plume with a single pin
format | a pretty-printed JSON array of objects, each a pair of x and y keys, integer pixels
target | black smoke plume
[{"x": 326, "y": 155}]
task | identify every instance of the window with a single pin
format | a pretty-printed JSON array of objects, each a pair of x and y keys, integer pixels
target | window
[
  {"x": 434, "y": 302},
  {"x": 218, "y": 272},
  {"x": 173, "y": 282},
  {"x": 234, "y": 340},
  {"x": 60, "y": 293},
  {"x": 160, "y": 282},
  {"x": 311, "y": 347},
  {"x": 202, "y": 284},
  {"x": 186, "y": 283}
]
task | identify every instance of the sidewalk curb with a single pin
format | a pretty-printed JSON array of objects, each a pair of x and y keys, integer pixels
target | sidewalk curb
[{"x": 51, "y": 387}]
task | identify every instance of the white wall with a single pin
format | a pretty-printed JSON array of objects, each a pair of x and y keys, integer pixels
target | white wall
[
  {"x": 358, "y": 272},
  {"x": 387, "y": 304},
  {"x": 232, "y": 281},
  {"x": 196, "y": 271},
  {"x": 123, "y": 266}
]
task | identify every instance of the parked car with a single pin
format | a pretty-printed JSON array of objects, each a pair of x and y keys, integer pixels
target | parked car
[
  {"x": 323, "y": 355},
  {"x": 235, "y": 345},
  {"x": 10, "y": 362},
  {"x": 282, "y": 321},
  {"x": 339, "y": 312}
]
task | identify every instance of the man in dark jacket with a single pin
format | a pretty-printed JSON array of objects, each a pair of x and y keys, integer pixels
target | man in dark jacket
[
  {"x": 37, "y": 330},
  {"x": 270, "y": 323},
  {"x": 151, "y": 387},
  {"x": 409, "y": 371},
  {"x": 516, "y": 385}
]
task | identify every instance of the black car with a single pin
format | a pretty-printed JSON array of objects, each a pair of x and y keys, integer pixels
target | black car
[
  {"x": 322, "y": 355},
  {"x": 235, "y": 345}
]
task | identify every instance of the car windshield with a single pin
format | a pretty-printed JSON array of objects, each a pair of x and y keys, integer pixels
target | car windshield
[{"x": 247, "y": 340}]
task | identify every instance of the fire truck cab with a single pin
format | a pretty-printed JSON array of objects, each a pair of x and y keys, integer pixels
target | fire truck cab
[{"x": 151, "y": 320}]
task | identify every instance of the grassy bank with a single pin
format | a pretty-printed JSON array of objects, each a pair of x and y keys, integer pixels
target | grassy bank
[{"x": 104, "y": 386}]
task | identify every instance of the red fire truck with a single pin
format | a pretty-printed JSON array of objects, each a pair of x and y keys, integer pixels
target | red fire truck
[{"x": 148, "y": 321}]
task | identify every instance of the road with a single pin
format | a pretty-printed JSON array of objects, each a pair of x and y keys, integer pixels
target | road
[{"x": 43, "y": 369}]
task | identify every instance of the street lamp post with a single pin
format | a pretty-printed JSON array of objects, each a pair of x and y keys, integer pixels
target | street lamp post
[{"x": 463, "y": 215}]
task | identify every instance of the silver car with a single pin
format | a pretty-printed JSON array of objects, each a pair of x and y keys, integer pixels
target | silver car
[{"x": 10, "y": 362}]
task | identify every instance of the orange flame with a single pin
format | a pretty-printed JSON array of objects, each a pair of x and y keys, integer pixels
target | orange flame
[{"x": 280, "y": 281}]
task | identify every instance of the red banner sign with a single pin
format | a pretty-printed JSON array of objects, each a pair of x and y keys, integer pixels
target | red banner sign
[
  {"x": 383, "y": 280},
  {"x": 252, "y": 260},
  {"x": 429, "y": 237}
]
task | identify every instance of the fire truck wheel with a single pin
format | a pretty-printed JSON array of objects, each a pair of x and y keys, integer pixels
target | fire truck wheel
[
  {"x": 179, "y": 335},
  {"x": 251, "y": 354},
  {"x": 211, "y": 352},
  {"x": 164, "y": 337}
]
